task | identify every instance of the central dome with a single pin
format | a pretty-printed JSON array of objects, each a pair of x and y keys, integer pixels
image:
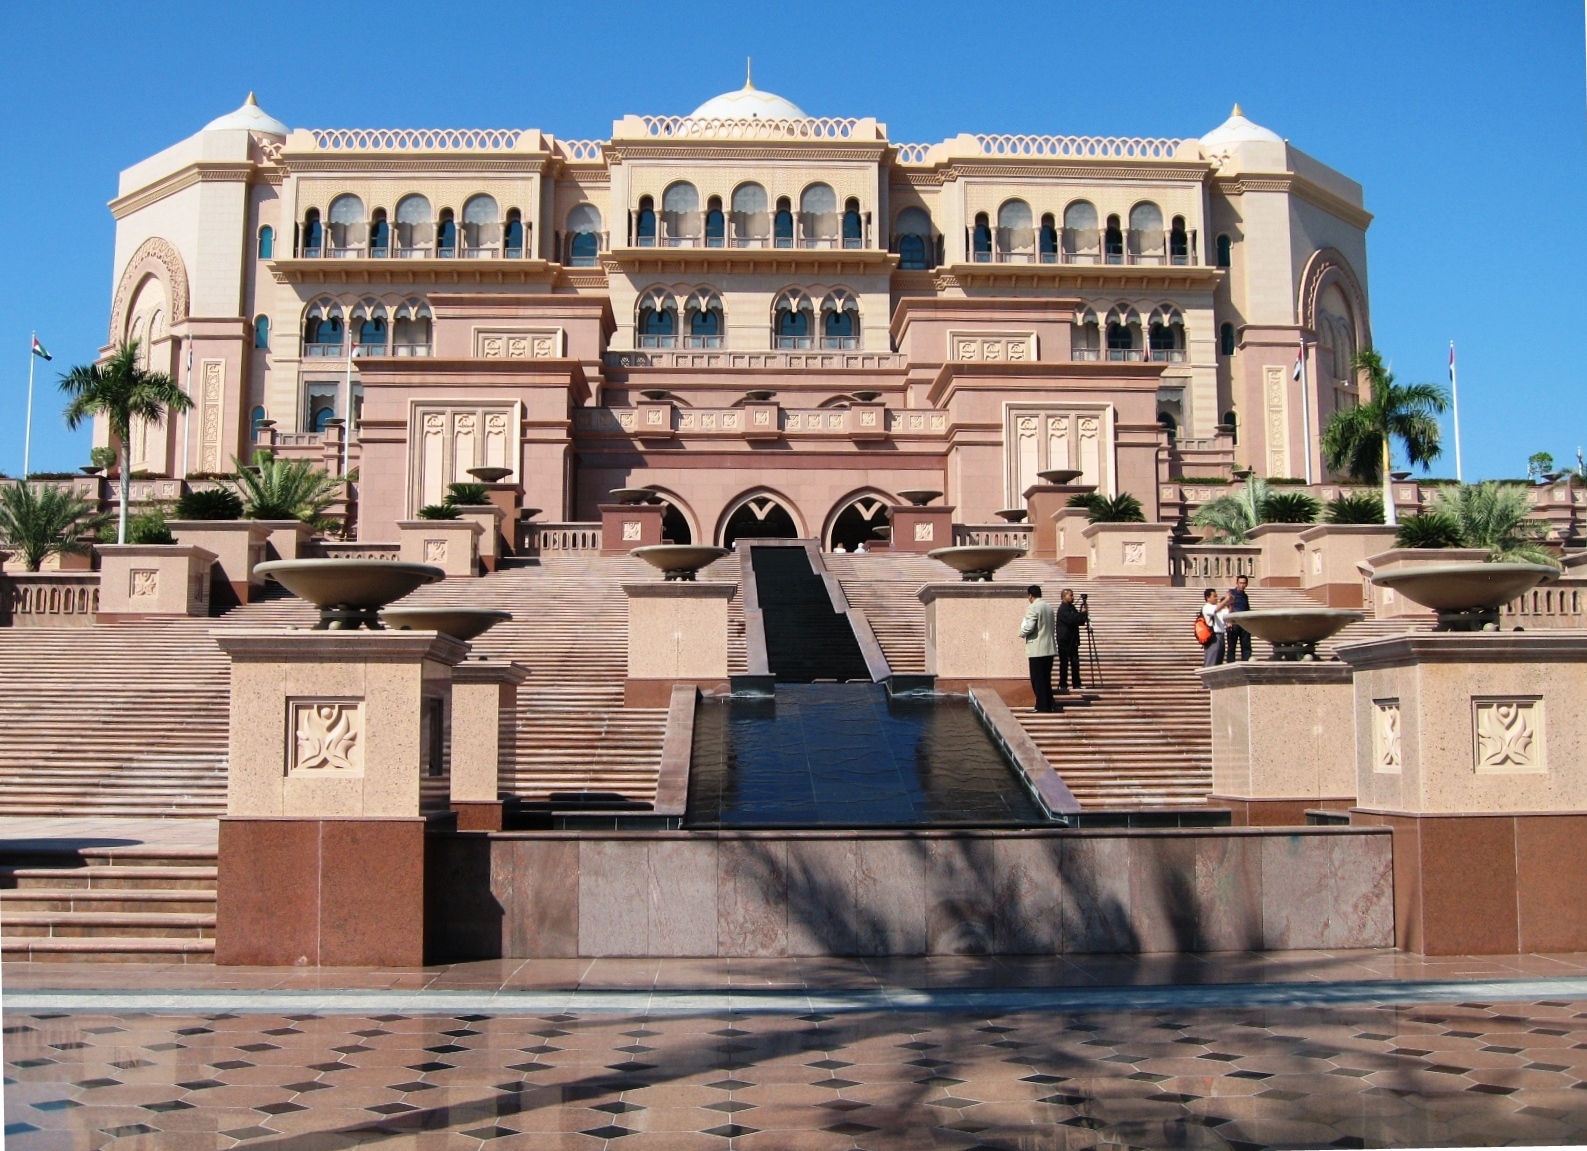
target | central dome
[{"x": 748, "y": 103}]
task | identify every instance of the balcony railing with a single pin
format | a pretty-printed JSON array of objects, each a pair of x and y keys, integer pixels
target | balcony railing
[
  {"x": 1080, "y": 246},
  {"x": 796, "y": 342},
  {"x": 658, "y": 341},
  {"x": 840, "y": 343},
  {"x": 1167, "y": 355},
  {"x": 546, "y": 538},
  {"x": 1085, "y": 355},
  {"x": 338, "y": 351},
  {"x": 733, "y": 238},
  {"x": 589, "y": 247},
  {"x": 1124, "y": 355},
  {"x": 414, "y": 252},
  {"x": 334, "y": 351},
  {"x": 702, "y": 341}
]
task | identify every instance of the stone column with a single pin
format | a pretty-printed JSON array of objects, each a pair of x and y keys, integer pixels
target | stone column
[
  {"x": 489, "y": 540},
  {"x": 141, "y": 580},
  {"x": 920, "y": 529},
  {"x": 483, "y": 692},
  {"x": 1472, "y": 747},
  {"x": 972, "y": 636},
  {"x": 337, "y": 765},
  {"x": 1281, "y": 554},
  {"x": 451, "y": 545},
  {"x": 677, "y": 634},
  {"x": 1278, "y": 739},
  {"x": 239, "y": 547},
  {"x": 625, "y": 527},
  {"x": 1136, "y": 552}
]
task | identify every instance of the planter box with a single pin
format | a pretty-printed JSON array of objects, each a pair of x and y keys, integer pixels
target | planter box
[
  {"x": 491, "y": 546},
  {"x": 1281, "y": 553},
  {"x": 239, "y": 547},
  {"x": 677, "y": 633},
  {"x": 1137, "y": 552},
  {"x": 1073, "y": 549},
  {"x": 451, "y": 545},
  {"x": 141, "y": 580},
  {"x": 288, "y": 539},
  {"x": 1329, "y": 555},
  {"x": 972, "y": 636}
]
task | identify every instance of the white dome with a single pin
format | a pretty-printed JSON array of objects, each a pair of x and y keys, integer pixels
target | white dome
[
  {"x": 1238, "y": 130},
  {"x": 249, "y": 116},
  {"x": 748, "y": 103}
]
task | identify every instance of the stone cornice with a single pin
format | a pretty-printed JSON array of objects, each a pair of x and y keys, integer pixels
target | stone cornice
[
  {"x": 766, "y": 261},
  {"x": 1050, "y": 373},
  {"x": 295, "y": 645},
  {"x": 1419, "y": 647},
  {"x": 1084, "y": 278},
  {"x": 204, "y": 172},
  {"x": 1313, "y": 193},
  {"x": 432, "y": 271}
]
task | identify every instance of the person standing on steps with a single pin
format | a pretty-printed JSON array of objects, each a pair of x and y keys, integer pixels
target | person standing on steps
[
  {"x": 1237, "y": 641},
  {"x": 1070, "y": 620},
  {"x": 1215, "y": 615},
  {"x": 1037, "y": 632}
]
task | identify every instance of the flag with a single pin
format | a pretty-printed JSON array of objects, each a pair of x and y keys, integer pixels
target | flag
[
  {"x": 1451, "y": 362},
  {"x": 39, "y": 350},
  {"x": 1300, "y": 353}
]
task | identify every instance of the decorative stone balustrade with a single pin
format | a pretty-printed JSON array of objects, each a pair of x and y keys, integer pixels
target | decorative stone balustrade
[
  {"x": 992, "y": 535},
  {"x": 554, "y": 539},
  {"x": 862, "y": 421},
  {"x": 821, "y": 361},
  {"x": 49, "y": 599},
  {"x": 1556, "y": 606},
  {"x": 1191, "y": 564},
  {"x": 350, "y": 550}
]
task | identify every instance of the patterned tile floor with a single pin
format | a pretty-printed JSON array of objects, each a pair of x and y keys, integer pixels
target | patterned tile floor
[{"x": 684, "y": 1073}]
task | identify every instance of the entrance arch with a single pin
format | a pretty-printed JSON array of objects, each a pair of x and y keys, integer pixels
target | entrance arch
[
  {"x": 853, "y": 520},
  {"x": 759, "y": 516}
]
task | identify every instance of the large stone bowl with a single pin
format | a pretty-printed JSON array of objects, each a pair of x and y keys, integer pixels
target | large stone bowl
[
  {"x": 679, "y": 561},
  {"x": 349, "y": 592},
  {"x": 975, "y": 563},
  {"x": 490, "y": 475},
  {"x": 1058, "y": 477},
  {"x": 1296, "y": 632},
  {"x": 1013, "y": 515},
  {"x": 633, "y": 495},
  {"x": 1466, "y": 596},
  {"x": 920, "y": 497},
  {"x": 464, "y": 623}
]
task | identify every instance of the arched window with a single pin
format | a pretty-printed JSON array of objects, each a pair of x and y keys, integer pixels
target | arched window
[
  {"x": 1047, "y": 240},
  {"x": 857, "y": 522},
  {"x": 1016, "y": 239},
  {"x": 1178, "y": 242},
  {"x": 322, "y": 414},
  {"x": 645, "y": 224},
  {"x": 322, "y": 329},
  {"x": 1225, "y": 251},
  {"x": 446, "y": 235},
  {"x": 704, "y": 315},
  {"x": 347, "y": 226},
  {"x": 1146, "y": 234},
  {"x": 257, "y": 417},
  {"x": 914, "y": 240},
  {"x": 840, "y": 320},
  {"x": 853, "y": 226},
  {"x": 415, "y": 232},
  {"x": 1230, "y": 422},
  {"x": 759, "y": 517},
  {"x": 715, "y": 223},
  {"x": 261, "y": 333},
  {"x": 680, "y": 215},
  {"x": 1082, "y": 243},
  {"x": 313, "y": 235},
  {"x": 1170, "y": 425},
  {"x": 981, "y": 239},
  {"x": 818, "y": 214},
  {"x": 751, "y": 222},
  {"x": 481, "y": 226},
  {"x": 584, "y": 236},
  {"x": 1124, "y": 334},
  {"x": 1113, "y": 242},
  {"x": 783, "y": 224},
  {"x": 1226, "y": 339},
  {"x": 513, "y": 238},
  {"x": 1086, "y": 340},
  {"x": 1165, "y": 335},
  {"x": 379, "y": 234},
  {"x": 267, "y": 242},
  {"x": 411, "y": 329},
  {"x": 658, "y": 319},
  {"x": 369, "y": 326},
  {"x": 791, "y": 319}
]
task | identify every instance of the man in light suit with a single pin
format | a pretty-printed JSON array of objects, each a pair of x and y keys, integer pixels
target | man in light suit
[{"x": 1037, "y": 632}]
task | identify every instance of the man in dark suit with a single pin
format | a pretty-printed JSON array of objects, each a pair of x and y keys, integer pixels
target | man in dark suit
[
  {"x": 1068, "y": 622},
  {"x": 1237, "y": 644}
]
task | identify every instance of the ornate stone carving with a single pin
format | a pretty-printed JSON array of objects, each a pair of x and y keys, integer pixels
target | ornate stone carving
[
  {"x": 925, "y": 532},
  {"x": 939, "y": 423},
  {"x": 213, "y": 392},
  {"x": 516, "y": 344},
  {"x": 867, "y": 419},
  {"x": 154, "y": 256},
  {"x": 435, "y": 551},
  {"x": 1135, "y": 553},
  {"x": 632, "y": 530},
  {"x": 328, "y": 737},
  {"x": 992, "y": 347},
  {"x": 145, "y": 583},
  {"x": 1386, "y": 736},
  {"x": 917, "y": 423},
  {"x": 1508, "y": 735}
]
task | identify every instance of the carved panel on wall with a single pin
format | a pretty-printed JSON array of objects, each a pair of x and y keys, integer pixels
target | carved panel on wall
[
  {"x": 1135, "y": 553},
  {"x": 1507, "y": 735},
  {"x": 1040, "y": 439},
  {"x": 328, "y": 737},
  {"x": 145, "y": 583},
  {"x": 435, "y": 551},
  {"x": 1386, "y": 736},
  {"x": 633, "y": 530},
  {"x": 992, "y": 347},
  {"x": 1275, "y": 401},
  {"x": 212, "y": 389},
  {"x": 519, "y": 343},
  {"x": 446, "y": 440},
  {"x": 925, "y": 532}
]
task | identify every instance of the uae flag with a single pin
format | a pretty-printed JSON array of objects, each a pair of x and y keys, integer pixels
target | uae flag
[
  {"x": 39, "y": 350},
  {"x": 1299, "y": 353}
]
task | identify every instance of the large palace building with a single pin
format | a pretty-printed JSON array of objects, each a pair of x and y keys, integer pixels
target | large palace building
[{"x": 775, "y": 321}]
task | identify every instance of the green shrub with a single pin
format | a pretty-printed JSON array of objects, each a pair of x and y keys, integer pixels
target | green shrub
[
  {"x": 1355, "y": 508},
  {"x": 440, "y": 512},
  {"x": 1429, "y": 530},
  {"x": 50, "y": 477},
  {"x": 149, "y": 528},
  {"x": 1285, "y": 481},
  {"x": 1121, "y": 509},
  {"x": 209, "y": 504},
  {"x": 1291, "y": 508},
  {"x": 467, "y": 494},
  {"x": 103, "y": 458}
]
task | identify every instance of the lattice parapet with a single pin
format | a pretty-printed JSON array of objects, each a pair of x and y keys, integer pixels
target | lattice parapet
[
  {"x": 814, "y": 128},
  {"x": 416, "y": 139},
  {"x": 1102, "y": 147},
  {"x": 912, "y": 153},
  {"x": 580, "y": 149}
]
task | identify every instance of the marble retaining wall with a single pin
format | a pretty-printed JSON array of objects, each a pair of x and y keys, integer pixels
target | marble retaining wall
[{"x": 806, "y": 893}]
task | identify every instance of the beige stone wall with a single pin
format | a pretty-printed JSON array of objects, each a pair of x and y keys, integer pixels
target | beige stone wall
[
  {"x": 1276, "y": 731},
  {"x": 678, "y": 630},
  {"x": 972, "y": 631}
]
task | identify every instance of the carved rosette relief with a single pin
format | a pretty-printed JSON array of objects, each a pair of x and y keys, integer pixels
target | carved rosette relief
[
  {"x": 993, "y": 347},
  {"x": 328, "y": 737},
  {"x": 1508, "y": 735},
  {"x": 525, "y": 344},
  {"x": 145, "y": 583},
  {"x": 1386, "y": 736}
]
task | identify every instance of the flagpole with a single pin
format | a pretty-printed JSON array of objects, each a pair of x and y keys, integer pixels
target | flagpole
[
  {"x": 1305, "y": 409},
  {"x": 1454, "y": 396},
  {"x": 347, "y": 424},
  {"x": 27, "y": 434}
]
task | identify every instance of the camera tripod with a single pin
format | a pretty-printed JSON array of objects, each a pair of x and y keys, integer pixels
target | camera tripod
[{"x": 1093, "y": 660}]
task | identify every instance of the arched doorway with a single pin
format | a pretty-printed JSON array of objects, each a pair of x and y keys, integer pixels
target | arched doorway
[
  {"x": 759, "y": 517},
  {"x": 854, "y": 524},
  {"x": 674, "y": 525}
]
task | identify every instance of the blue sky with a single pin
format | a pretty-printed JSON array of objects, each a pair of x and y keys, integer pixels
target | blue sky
[{"x": 1466, "y": 122}]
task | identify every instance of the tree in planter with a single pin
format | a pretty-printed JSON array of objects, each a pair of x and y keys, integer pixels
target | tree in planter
[
  {"x": 1231, "y": 518},
  {"x": 121, "y": 390},
  {"x": 1100, "y": 509},
  {"x": 149, "y": 528},
  {"x": 41, "y": 520},
  {"x": 467, "y": 494},
  {"x": 1354, "y": 508},
  {"x": 1359, "y": 441},
  {"x": 1495, "y": 516},
  {"x": 276, "y": 489}
]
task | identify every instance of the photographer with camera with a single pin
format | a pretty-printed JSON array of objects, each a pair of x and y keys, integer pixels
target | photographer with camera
[{"x": 1068, "y": 623}]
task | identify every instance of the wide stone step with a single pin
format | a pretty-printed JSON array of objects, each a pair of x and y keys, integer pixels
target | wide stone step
[
  {"x": 111, "y": 877},
  {"x": 110, "y": 924},
  {"x": 132, "y": 900},
  {"x": 106, "y": 949}
]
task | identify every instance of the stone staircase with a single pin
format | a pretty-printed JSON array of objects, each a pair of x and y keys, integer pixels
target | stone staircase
[{"x": 141, "y": 904}]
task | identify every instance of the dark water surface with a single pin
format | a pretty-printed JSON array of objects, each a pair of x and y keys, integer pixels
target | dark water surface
[{"x": 848, "y": 755}]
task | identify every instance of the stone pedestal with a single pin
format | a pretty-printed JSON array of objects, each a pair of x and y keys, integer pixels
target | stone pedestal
[
  {"x": 1472, "y": 747},
  {"x": 1043, "y": 502},
  {"x": 451, "y": 545},
  {"x": 1072, "y": 547},
  {"x": 1329, "y": 555},
  {"x": 286, "y": 539},
  {"x": 490, "y": 542},
  {"x": 336, "y": 764},
  {"x": 483, "y": 691},
  {"x": 1280, "y": 563},
  {"x": 972, "y": 636},
  {"x": 1386, "y": 603},
  {"x": 141, "y": 580},
  {"x": 239, "y": 547},
  {"x": 920, "y": 529},
  {"x": 509, "y": 499},
  {"x": 677, "y": 634},
  {"x": 1279, "y": 742},
  {"x": 625, "y": 527},
  {"x": 1136, "y": 552}
]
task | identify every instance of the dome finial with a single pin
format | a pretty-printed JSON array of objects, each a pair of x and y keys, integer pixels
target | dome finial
[
  {"x": 251, "y": 100},
  {"x": 749, "y": 73},
  {"x": 1237, "y": 111}
]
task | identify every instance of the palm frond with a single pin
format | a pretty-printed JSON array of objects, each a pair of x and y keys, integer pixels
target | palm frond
[{"x": 41, "y": 520}]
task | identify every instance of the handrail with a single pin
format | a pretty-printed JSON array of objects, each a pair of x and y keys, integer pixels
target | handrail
[
  {"x": 1122, "y": 147},
  {"x": 416, "y": 139}
]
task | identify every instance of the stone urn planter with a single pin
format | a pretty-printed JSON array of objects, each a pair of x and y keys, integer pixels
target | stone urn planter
[
  {"x": 462, "y": 623},
  {"x": 920, "y": 497},
  {"x": 1466, "y": 596},
  {"x": 1296, "y": 632},
  {"x": 350, "y": 593},
  {"x": 976, "y": 564},
  {"x": 679, "y": 561}
]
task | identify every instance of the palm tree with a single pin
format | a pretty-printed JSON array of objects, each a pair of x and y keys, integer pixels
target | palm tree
[
  {"x": 1360, "y": 440},
  {"x": 276, "y": 489},
  {"x": 1230, "y": 518},
  {"x": 120, "y": 389},
  {"x": 1495, "y": 516},
  {"x": 41, "y": 520}
]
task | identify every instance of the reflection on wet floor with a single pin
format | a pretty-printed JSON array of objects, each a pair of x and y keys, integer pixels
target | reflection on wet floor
[
  {"x": 849, "y": 755},
  {"x": 1458, "y": 1074}
]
